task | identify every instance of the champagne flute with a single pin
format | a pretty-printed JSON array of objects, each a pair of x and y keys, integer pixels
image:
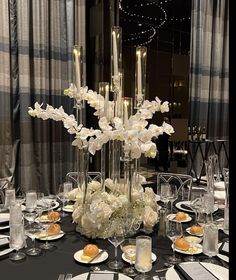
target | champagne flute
[
  {"x": 116, "y": 239},
  {"x": 143, "y": 260},
  {"x": 173, "y": 231},
  {"x": 128, "y": 247},
  {"x": 17, "y": 241}
]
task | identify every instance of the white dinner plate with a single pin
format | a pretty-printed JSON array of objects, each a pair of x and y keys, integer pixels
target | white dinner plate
[
  {"x": 52, "y": 237},
  {"x": 221, "y": 256},
  {"x": 6, "y": 251},
  {"x": 154, "y": 257},
  {"x": 4, "y": 227},
  {"x": 188, "y": 231},
  {"x": 198, "y": 250},
  {"x": 178, "y": 205},
  {"x": 158, "y": 198},
  {"x": 4, "y": 217},
  {"x": 101, "y": 258},
  {"x": 172, "y": 217},
  {"x": 68, "y": 208},
  {"x": 4, "y": 239},
  {"x": 220, "y": 272},
  {"x": 85, "y": 275},
  {"x": 42, "y": 204}
]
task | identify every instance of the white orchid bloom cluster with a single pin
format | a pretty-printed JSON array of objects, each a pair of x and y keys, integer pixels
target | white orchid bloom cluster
[{"x": 135, "y": 133}]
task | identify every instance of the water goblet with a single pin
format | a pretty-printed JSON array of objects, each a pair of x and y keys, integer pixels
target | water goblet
[
  {"x": 116, "y": 239},
  {"x": 62, "y": 195},
  {"x": 143, "y": 260},
  {"x": 10, "y": 197},
  {"x": 46, "y": 245},
  {"x": 210, "y": 241},
  {"x": 17, "y": 241},
  {"x": 196, "y": 204},
  {"x": 31, "y": 201},
  {"x": 165, "y": 193},
  {"x": 173, "y": 196},
  {"x": 128, "y": 247},
  {"x": 173, "y": 231},
  {"x": 31, "y": 233}
]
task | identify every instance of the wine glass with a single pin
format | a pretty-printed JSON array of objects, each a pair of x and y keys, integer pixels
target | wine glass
[
  {"x": 143, "y": 260},
  {"x": 173, "y": 231},
  {"x": 17, "y": 241},
  {"x": 165, "y": 193},
  {"x": 116, "y": 239},
  {"x": 62, "y": 195},
  {"x": 128, "y": 247},
  {"x": 31, "y": 233},
  {"x": 31, "y": 201},
  {"x": 195, "y": 204},
  {"x": 172, "y": 196}
]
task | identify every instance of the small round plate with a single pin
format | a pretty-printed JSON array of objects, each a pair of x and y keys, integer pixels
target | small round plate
[
  {"x": 101, "y": 258},
  {"x": 45, "y": 219},
  {"x": 189, "y": 232},
  {"x": 51, "y": 237},
  {"x": 4, "y": 217},
  {"x": 197, "y": 250},
  {"x": 154, "y": 257},
  {"x": 4, "y": 239},
  {"x": 172, "y": 217}
]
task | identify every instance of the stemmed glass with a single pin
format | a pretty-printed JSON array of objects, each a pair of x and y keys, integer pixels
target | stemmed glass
[
  {"x": 165, "y": 193},
  {"x": 116, "y": 239},
  {"x": 128, "y": 247},
  {"x": 196, "y": 203},
  {"x": 17, "y": 241},
  {"x": 31, "y": 233},
  {"x": 62, "y": 195},
  {"x": 173, "y": 231},
  {"x": 47, "y": 245},
  {"x": 143, "y": 261},
  {"x": 172, "y": 196}
]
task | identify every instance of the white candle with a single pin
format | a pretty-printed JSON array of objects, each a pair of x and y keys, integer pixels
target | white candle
[
  {"x": 77, "y": 69},
  {"x": 115, "y": 57},
  {"x": 126, "y": 104},
  {"x": 106, "y": 102},
  {"x": 139, "y": 77}
]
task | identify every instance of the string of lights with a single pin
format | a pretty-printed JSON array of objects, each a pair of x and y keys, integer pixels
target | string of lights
[{"x": 146, "y": 23}]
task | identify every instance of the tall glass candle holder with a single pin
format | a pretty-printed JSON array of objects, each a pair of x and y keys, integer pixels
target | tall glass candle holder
[
  {"x": 140, "y": 75},
  {"x": 78, "y": 71},
  {"x": 104, "y": 91}
]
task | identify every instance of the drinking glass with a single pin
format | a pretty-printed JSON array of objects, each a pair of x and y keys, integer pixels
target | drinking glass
[
  {"x": 31, "y": 233},
  {"x": 173, "y": 231},
  {"x": 165, "y": 193},
  {"x": 208, "y": 201},
  {"x": 196, "y": 204},
  {"x": 17, "y": 241},
  {"x": 116, "y": 239},
  {"x": 10, "y": 197},
  {"x": 46, "y": 245},
  {"x": 210, "y": 241},
  {"x": 62, "y": 195},
  {"x": 143, "y": 260},
  {"x": 226, "y": 210},
  {"x": 16, "y": 216},
  {"x": 173, "y": 196},
  {"x": 31, "y": 201},
  {"x": 128, "y": 247}
]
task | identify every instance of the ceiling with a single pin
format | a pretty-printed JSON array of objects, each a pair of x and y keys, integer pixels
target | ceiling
[{"x": 157, "y": 23}]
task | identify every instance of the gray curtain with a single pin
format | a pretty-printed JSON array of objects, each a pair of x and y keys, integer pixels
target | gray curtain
[
  {"x": 36, "y": 40},
  {"x": 209, "y": 78},
  {"x": 209, "y": 67}
]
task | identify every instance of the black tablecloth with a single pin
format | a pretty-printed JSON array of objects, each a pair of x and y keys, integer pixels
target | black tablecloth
[{"x": 60, "y": 260}]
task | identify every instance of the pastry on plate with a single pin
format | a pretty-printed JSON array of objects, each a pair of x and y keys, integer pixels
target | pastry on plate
[
  {"x": 181, "y": 216},
  {"x": 182, "y": 244},
  {"x": 53, "y": 216},
  {"x": 195, "y": 229},
  {"x": 89, "y": 251}
]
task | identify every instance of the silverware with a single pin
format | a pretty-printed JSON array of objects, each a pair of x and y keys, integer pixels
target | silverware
[
  {"x": 68, "y": 276},
  {"x": 162, "y": 269},
  {"x": 98, "y": 255}
]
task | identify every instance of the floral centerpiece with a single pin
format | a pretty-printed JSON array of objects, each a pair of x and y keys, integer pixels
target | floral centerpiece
[{"x": 106, "y": 208}]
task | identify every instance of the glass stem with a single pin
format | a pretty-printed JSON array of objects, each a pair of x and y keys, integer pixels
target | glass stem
[
  {"x": 33, "y": 241},
  {"x": 173, "y": 249},
  {"x": 171, "y": 206},
  {"x": 115, "y": 252}
]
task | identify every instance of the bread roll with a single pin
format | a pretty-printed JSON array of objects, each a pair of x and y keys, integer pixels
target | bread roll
[
  {"x": 90, "y": 250},
  {"x": 182, "y": 244},
  {"x": 181, "y": 216},
  {"x": 196, "y": 230},
  {"x": 54, "y": 229},
  {"x": 53, "y": 216}
]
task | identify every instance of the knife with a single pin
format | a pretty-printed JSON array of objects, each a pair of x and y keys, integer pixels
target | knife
[{"x": 98, "y": 255}]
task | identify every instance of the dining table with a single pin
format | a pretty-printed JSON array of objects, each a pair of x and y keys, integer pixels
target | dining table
[{"x": 60, "y": 259}]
